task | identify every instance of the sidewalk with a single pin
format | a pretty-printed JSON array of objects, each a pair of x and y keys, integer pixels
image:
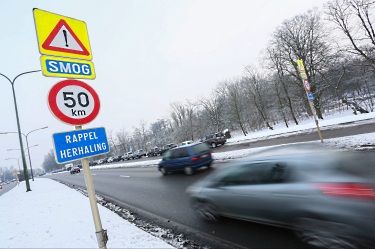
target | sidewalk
[{"x": 53, "y": 215}]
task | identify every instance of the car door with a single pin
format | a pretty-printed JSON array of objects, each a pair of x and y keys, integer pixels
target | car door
[
  {"x": 251, "y": 191},
  {"x": 176, "y": 159}
]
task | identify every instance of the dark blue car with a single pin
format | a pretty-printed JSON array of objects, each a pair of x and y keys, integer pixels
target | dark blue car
[{"x": 186, "y": 158}]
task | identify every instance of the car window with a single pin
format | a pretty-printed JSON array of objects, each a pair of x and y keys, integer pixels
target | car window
[
  {"x": 180, "y": 153},
  {"x": 200, "y": 148},
  {"x": 257, "y": 173}
]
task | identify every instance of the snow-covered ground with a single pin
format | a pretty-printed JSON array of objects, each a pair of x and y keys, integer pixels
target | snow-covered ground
[{"x": 53, "y": 215}]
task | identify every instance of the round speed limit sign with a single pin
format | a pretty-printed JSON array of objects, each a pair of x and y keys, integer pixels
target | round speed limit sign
[{"x": 73, "y": 102}]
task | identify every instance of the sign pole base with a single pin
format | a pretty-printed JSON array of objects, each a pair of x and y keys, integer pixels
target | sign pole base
[{"x": 101, "y": 234}]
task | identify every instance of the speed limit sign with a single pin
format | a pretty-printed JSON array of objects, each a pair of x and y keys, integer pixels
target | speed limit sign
[{"x": 73, "y": 102}]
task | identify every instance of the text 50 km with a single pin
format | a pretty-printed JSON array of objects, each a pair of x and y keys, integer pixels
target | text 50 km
[{"x": 67, "y": 68}]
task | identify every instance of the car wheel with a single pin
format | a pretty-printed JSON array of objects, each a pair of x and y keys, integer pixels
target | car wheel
[
  {"x": 188, "y": 171},
  {"x": 213, "y": 145},
  {"x": 324, "y": 234},
  {"x": 206, "y": 211},
  {"x": 163, "y": 171}
]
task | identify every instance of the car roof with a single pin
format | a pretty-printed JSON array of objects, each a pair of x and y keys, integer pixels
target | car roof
[{"x": 186, "y": 145}]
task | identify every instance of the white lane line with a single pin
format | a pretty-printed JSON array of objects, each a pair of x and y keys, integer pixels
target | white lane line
[{"x": 124, "y": 176}]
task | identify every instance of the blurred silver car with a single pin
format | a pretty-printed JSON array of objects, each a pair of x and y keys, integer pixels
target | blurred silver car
[{"x": 328, "y": 198}]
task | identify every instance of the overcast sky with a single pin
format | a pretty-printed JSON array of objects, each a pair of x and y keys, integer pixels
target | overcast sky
[{"x": 147, "y": 54}]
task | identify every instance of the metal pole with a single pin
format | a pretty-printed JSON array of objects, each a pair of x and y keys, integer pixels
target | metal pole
[
  {"x": 28, "y": 152},
  {"x": 101, "y": 235},
  {"x": 306, "y": 85},
  {"x": 316, "y": 121},
  {"x": 28, "y": 148},
  {"x": 26, "y": 175}
]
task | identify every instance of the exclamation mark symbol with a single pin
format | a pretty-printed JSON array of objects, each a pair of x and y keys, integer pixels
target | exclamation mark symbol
[{"x": 66, "y": 38}]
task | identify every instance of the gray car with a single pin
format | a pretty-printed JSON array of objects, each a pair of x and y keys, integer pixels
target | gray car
[{"x": 328, "y": 198}]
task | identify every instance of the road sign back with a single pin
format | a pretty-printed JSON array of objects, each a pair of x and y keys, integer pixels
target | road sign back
[{"x": 61, "y": 36}]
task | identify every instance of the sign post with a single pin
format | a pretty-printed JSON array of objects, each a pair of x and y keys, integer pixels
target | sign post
[
  {"x": 309, "y": 94},
  {"x": 65, "y": 48},
  {"x": 76, "y": 103},
  {"x": 101, "y": 234}
]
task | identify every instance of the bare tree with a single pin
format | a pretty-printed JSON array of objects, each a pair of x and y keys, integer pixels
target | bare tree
[
  {"x": 124, "y": 139},
  {"x": 256, "y": 90},
  {"x": 214, "y": 108},
  {"x": 235, "y": 105},
  {"x": 355, "y": 19},
  {"x": 305, "y": 38},
  {"x": 281, "y": 85},
  {"x": 112, "y": 140}
]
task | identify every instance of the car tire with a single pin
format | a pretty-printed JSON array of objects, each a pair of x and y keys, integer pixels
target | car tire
[
  {"x": 163, "y": 171},
  {"x": 188, "y": 171},
  {"x": 320, "y": 233},
  {"x": 213, "y": 145},
  {"x": 206, "y": 211}
]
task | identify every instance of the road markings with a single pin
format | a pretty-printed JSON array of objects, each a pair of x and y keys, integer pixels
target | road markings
[{"x": 124, "y": 176}]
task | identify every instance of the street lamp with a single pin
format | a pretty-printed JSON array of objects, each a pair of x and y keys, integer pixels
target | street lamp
[
  {"x": 25, "y": 149},
  {"x": 18, "y": 160},
  {"x": 31, "y": 169},
  {"x": 27, "y": 144},
  {"x": 19, "y": 127}
]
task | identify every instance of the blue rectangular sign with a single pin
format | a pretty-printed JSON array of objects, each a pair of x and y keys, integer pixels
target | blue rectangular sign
[
  {"x": 311, "y": 97},
  {"x": 67, "y": 68},
  {"x": 73, "y": 145}
]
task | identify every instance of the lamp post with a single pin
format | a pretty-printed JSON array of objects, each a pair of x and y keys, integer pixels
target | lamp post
[
  {"x": 19, "y": 127},
  {"x": 18, "y": 160},
  {"x": 27, "y": 144},
  {"x": 19, "y": 168},
  {"x": 28, "y": 151}
]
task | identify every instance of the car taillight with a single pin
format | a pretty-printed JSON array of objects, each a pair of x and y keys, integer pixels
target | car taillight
[
  {"x": 354, "y": 190},
  {"x": 195, "y": 159}
]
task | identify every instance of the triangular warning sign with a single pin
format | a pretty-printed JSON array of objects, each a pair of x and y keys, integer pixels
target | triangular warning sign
[{"x": 63, "y": 39}]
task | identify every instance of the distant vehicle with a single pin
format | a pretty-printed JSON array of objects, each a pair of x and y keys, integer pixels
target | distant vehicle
[
  {"x": 110, "y": 159},
  {"x": 74, "y": 170},
  {"x": 128, "y": 156},
  {"x": 139, "y": 153},
  {"x": 93, "y": 163},
  {"x": 214, "y": 139},
  {"x": 186, "y": 142},
  {"x": 153, "y": 152},
  {"x": 328, "y": 198},
  {"x": 166, "y": 148},
  {"x": 186, "y": 158},
  {"x": 69, "y": 166},
  {"x": 117, "y": 158}
]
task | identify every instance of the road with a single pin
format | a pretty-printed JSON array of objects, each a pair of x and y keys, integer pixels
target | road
[
  {"x": 162, "y": 199},
  {"x": 7, "y": 187}
]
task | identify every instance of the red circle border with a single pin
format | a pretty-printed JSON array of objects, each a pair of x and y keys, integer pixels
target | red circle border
[{"x": 60, "y": 115}]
